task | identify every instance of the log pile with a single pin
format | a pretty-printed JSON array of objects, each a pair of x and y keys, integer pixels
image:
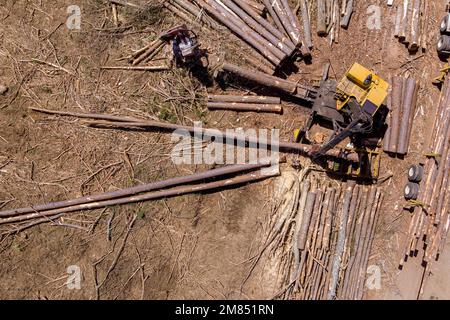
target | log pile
[
  {"x": 401, "y": 102},
  {"x": 24, "y": 218},
  {"x": 411, "y": 24},
  {"x": 431, "y": 217},
  {"x": 245, "y": 103},
  {"x": 323, "y": 235},
  {"x": 274, "y": 42},
  {"x": 331, "y": 15}
]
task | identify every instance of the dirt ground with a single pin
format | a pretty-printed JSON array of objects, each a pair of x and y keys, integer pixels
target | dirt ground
[{"x": 190, "y": 247}]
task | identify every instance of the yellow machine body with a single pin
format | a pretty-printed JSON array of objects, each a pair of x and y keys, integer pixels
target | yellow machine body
[{"x": 367, "y": 88}]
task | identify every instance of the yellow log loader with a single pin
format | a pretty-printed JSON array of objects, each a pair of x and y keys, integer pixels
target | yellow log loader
[{"x": 349, "y": 104}]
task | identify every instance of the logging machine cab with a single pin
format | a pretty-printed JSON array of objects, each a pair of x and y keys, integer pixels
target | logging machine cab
[{"x": 368, "y": 89}]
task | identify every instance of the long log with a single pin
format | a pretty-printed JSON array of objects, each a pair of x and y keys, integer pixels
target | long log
[
  {"x": 355, "y": 238},
  {"x": 292, "y": 18},
  {"x": 140, "y": 123},
  {"x": 176, "y": 191},
  {"x": 409, "y": 102},
  {"x": 299, "y": 262},
  {"x": 411, "y": 116},
  {"x": 398, "y": 20},
  {"x": 245, "y": 107},
  {"x": 189, "y": 7},
  {"x": 306, "y": 220},
  {"x": 348, "y": 14},
  {"x": 255, "y": 62},
  {"x": 407, "y": 39},
  {"x": 403, "y": 21},
  {"x": 356, "y": 272},
  {"x": 342, "y": 235},
  {"x": 244, "y": 99},
  {"x": 273, "y": 15},
  {"x": 351, "y": 224},
  {"x": 259, "y": 7},
  {"x": 282, "y": 146},
  {"x": 321, "y": 18},
  {"x": 425, "y": 18},
  {"x": 388, "y": 133},
  {"x": 214, "y": 173},
  {"x": 368, "y": 244},
  {"x": 397, "y": 98},
  {"x": 262, "y": 78},
  {"x": 137, "y": 68},
  {"x": 316, "y": 218},
  {"x": 328, "y": 220},
  {"x": 292, "y": 88},
  {"x": 154, "y": 47},
  {"x": 87, "y": 115},
  {"x": 284, "y": 18},
  {"x": 445, "y": 194},
  {"x": 415, "y": 26},
  {"x": 306, "y": 24}
]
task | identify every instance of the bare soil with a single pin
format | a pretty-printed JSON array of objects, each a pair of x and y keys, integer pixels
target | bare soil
[{"x": 191, "y": 247}]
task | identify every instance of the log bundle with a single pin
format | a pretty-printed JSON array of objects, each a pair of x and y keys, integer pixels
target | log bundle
[
  {"x": 411, "y": 24},
  {"x": 54, "y": 212},
  {"x": 328, "y": 244},
  {"x": 402, "y": 102},
  {"x": 431, "y": 218},
  {"x": 333, "y": 15},
  {"x": 275, "y": 39},
  {"x": 245, "y": 103}
]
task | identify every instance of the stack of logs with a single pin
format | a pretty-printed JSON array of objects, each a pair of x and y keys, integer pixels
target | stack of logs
[
  {"x": 411, "y": 24},
  {"x": 274, "y": 42},
  {"x": 401, "y": 103},
  {"x": 330, "y": 15},
  {"x": 431, "y": 220},
  {"x": 329, "y": 240},
  {"x": 147, "y": 53},
  {"x": 245, "y": 103}
]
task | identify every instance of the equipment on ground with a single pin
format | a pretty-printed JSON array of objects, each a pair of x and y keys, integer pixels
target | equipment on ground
[
  {"x": 443, "y": 44},
  {"x": 367, "y": 168},
  {"x": 185, "y": 46},
  {"x": 415, "y": 176},
  {"x": 415, "y": 173},
  {"x": 350, "y": 105},
  {"x": 411, "y": 191}
]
